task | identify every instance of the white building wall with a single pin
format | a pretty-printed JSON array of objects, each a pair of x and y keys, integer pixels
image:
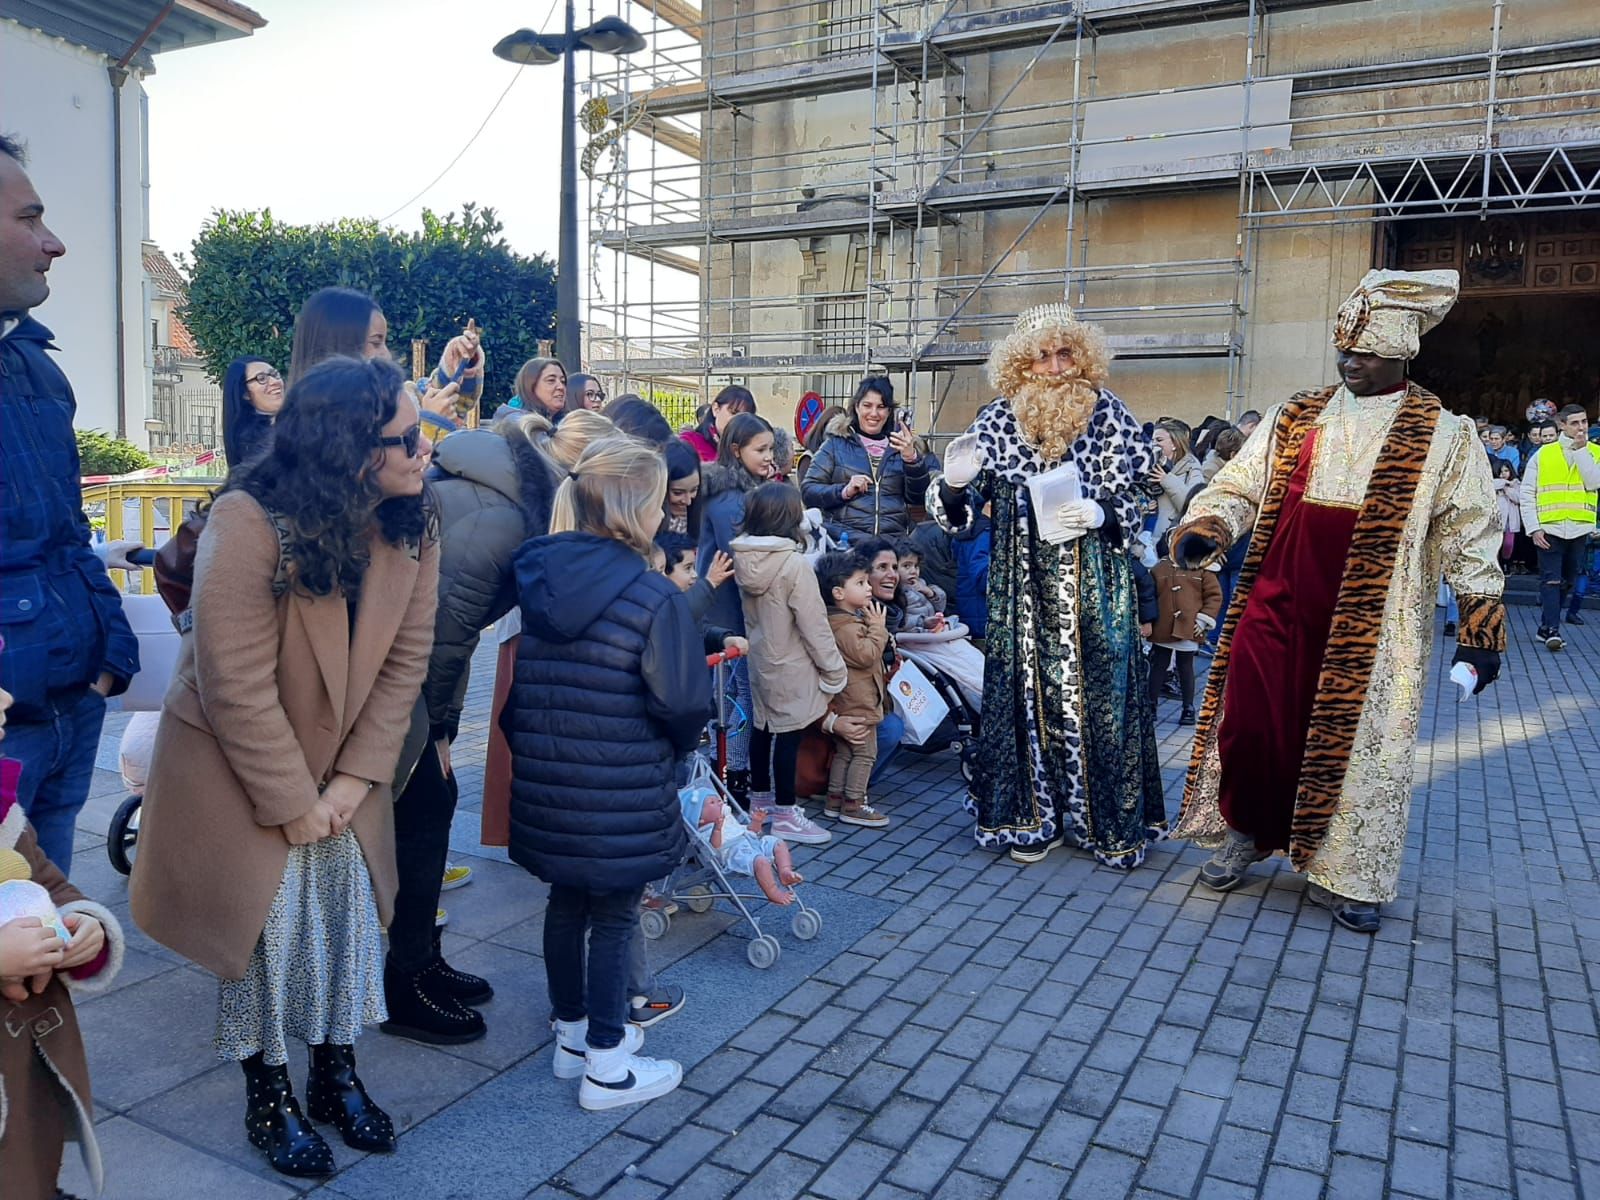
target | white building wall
[{"x": 57, "y": 97}]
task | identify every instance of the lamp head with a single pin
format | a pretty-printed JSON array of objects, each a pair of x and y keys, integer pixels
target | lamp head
[
  {"x": 527, "y": 48},
  {"x": 610, "y": 35}
]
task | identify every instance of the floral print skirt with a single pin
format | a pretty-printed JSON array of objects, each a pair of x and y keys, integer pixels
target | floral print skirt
[{"x": 316, "y": 973}]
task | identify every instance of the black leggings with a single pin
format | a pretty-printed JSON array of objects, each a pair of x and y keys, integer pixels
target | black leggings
[
  {"x": 774, "y": 758},
  {"x": 1160, "y": 656}
]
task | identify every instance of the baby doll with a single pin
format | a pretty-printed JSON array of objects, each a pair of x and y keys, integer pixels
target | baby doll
[{"x": 741, "y": 849}]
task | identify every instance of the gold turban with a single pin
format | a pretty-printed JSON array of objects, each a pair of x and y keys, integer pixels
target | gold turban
[{"x": 1391, "y": 310}]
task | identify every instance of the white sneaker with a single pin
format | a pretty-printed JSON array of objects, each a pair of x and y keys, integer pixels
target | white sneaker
[
  {"x": 615, "y": 1077},
  {"x": 572, "y": 1043}
]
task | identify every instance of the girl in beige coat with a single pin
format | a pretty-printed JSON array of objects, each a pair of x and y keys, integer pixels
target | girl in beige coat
[
  {"x": 795, "y": 666},
  {"x": 266, "y": 849}
]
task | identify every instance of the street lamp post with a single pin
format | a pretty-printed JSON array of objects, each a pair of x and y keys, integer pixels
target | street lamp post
[{"x": 609, "y": 35}]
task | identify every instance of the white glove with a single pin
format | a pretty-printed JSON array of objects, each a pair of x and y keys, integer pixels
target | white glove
[
  {"x": 1081, "y": 514},
  {"x": 963, "y": 460}
]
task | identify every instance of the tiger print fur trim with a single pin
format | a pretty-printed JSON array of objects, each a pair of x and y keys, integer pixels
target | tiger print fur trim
[
  {"x": 1483, "y": 623},
  {"x": 1213, "y": 528},
  {"x": 1351, "y": 654},
  {"x": 1294, "y": 420}
]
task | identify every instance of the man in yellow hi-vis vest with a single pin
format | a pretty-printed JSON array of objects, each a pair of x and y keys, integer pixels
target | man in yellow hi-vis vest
[{"x": 1560, "y": 491}]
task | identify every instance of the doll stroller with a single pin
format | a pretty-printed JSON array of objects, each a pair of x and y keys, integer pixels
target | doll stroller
[{"x": 701, "y": 881}]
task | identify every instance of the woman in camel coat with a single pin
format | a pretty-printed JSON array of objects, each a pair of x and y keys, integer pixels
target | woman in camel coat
[{"x": 266, "y": 850}]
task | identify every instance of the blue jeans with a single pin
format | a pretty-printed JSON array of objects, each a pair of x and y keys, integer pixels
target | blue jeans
[
  {"x": 890, "y": 730},
  {"x": 57, "y": 757},
  {"x": 591, "y": 982}
]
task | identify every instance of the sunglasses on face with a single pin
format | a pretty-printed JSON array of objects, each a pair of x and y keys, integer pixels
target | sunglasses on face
[
  {"x": 592, "y": 394},
  {"x": 410, "y": 439},
  {"x": 260, "y": 378}
]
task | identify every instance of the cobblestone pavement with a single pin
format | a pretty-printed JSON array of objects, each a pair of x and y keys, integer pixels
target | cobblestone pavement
[{"x": 968, "y": 1028}]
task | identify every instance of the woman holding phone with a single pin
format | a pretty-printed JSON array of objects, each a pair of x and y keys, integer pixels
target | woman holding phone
[{"x": 867, "y": 480}]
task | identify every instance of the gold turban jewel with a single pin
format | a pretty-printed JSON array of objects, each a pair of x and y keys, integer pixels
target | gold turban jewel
[{"x": 1390, "y": 311}]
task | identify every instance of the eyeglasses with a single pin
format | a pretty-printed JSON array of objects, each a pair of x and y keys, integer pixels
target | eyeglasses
[
  {"x": 593, "y": 394},
  {"x": 410, "y": 439},
  {"x": 260, "y": 378}
]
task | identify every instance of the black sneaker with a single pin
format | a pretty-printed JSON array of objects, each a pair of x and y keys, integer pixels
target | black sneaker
[
  {"x": 440, "y": 977},
  {"x": 1575, "y": 619},
  {"x": 1553, "y": 640},
  {"x": 1449, "y": 629},
  {"x": 420, "y": 1014},
  {"x": 645, "y": 1011},
  {"x": 1186, "y": 717}
]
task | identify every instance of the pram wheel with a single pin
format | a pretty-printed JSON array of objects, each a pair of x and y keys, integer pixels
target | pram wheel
[
  {"x": 806, "y": 925},
  {"x": 966, "y": 765},
  {"x": 698, "y": 898},
  {"x": 123, "y": 836},
  {"x": 653, "y": 924},
  {"x": 763, "y": 952}
]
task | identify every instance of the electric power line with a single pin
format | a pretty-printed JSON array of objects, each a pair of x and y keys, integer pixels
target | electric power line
[{"x": 434, "y": 181}]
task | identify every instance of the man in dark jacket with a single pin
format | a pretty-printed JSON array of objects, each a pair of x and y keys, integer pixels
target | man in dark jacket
[{"x": 67, "y": 644}]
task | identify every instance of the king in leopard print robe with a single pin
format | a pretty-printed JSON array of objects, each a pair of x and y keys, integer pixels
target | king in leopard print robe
[{"x": 1067, "y": 747}]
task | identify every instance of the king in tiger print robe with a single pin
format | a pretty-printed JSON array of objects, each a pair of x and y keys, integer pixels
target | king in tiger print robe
[{"x": 1364, "y": 522}]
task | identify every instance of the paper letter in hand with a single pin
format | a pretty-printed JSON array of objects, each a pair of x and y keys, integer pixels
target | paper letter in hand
[{"x": 1047, "y": 492}]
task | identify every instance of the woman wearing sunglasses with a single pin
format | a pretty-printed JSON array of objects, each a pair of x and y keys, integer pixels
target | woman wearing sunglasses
[
  {"x": 266, "y": 852},
  {"x": 252, "y": 394}
]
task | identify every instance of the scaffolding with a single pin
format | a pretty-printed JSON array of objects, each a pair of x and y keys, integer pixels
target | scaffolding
[{"x": 898, "y": 230}]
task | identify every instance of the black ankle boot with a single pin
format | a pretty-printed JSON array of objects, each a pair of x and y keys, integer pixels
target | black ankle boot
[
  {"x": 439, "y": 977},
  {"x": 334, "y": 1094},
  {"x": 739, "y": 787},
  {"x": 425, "y": 1013},
  {"x": 277, "y": 1127},
  {"x": 1186, "y": 717}
]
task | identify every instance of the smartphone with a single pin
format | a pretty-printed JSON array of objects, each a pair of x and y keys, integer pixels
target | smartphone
[{"x": 144, "y": 558}]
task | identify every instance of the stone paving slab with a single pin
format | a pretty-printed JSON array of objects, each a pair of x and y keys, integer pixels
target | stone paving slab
[{"x": 969, "y": 1028}]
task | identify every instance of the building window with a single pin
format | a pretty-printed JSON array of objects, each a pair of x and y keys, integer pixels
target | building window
[
  {"x": 840, "y": 323},
  {"x": 844, "y": 28}
]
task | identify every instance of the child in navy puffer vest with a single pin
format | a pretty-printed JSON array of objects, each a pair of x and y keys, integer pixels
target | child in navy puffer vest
[{"x": 610, "y": 690}]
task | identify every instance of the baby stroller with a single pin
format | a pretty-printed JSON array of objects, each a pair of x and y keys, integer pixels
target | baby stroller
[
  {"x": 158, "y": 658},
  {"x": 701, "y": 881},
  {"x": 958, "y": 731}
]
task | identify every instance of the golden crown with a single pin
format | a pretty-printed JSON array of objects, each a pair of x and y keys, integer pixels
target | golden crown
[{"x": 1044, "y": 316}]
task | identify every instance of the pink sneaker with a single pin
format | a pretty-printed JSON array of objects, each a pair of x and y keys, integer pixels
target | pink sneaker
[{"x": 792, "y": 825}]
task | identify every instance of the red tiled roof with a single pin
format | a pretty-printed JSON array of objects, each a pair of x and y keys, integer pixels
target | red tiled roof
[
  {"x": 179, "y": 337},
  {"x": 159, "y": 267}
]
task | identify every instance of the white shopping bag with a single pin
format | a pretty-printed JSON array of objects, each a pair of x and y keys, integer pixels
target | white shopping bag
[
  {"x": 919, "y": 705},
  {"x": 151, "y": 622},
  {"x": 1047, "y": 492}
]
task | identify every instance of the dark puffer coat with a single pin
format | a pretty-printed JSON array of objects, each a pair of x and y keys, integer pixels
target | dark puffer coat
[
  {"x": 720, "y": 522},
  {"x": 611, "y": 689},
  {"x": 491, "y": 494},
  {"x": 884, "y": 510}
]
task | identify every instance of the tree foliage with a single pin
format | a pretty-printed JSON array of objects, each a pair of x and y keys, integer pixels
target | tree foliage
[
  {"x": 101, "y": 454},
  {"x": 249, "y": 274}
]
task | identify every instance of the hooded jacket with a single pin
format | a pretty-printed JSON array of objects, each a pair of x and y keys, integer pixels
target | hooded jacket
[
  {"x": 885, "y": 508},
  {"x": 795, "y": 665},
  {"x": 725, "y": 491},
  {"x": 490, "y": 494},
  {"x": 862, "y": 645},
  {"x": 610, "y": 689},
  {"x": 60, "y": 615}
]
